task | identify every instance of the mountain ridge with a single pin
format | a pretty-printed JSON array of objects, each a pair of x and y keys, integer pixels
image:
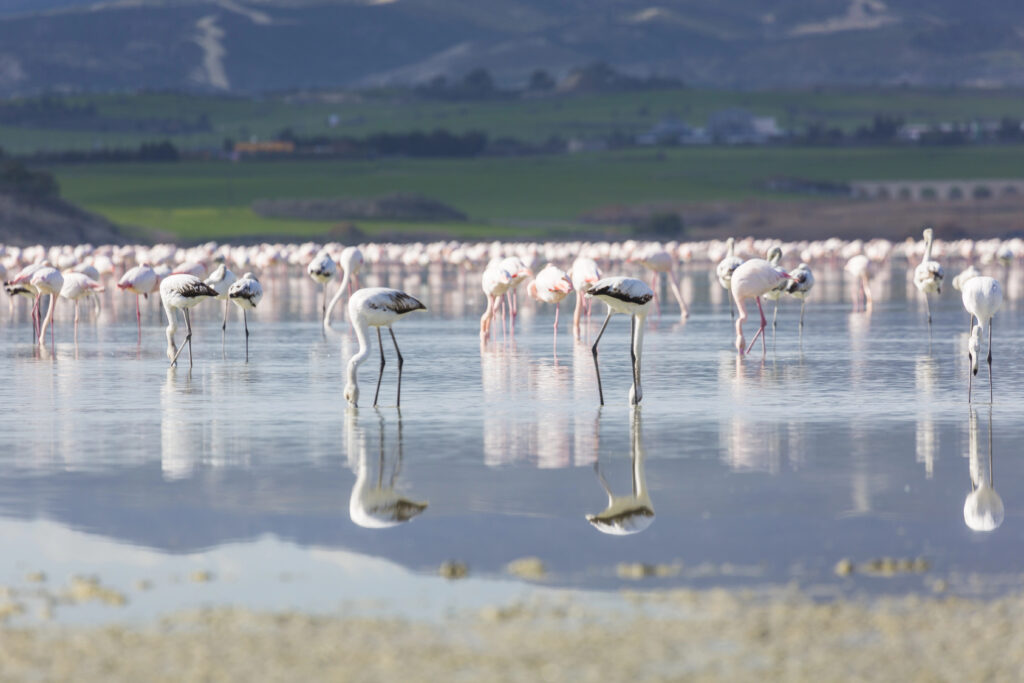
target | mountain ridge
[{"x": 241, "y": 46}]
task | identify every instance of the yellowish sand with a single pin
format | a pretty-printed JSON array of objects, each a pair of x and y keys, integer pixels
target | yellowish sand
[{"x": 676, "y": 635}]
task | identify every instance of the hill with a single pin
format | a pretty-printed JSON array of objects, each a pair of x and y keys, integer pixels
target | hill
[{"x": 238, "y": 46}]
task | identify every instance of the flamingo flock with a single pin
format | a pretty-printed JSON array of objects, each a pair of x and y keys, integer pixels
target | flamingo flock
[{"x": 612, "y": 273}]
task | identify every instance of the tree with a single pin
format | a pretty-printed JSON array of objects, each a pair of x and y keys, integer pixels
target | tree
[
  {"x": 478, "y": 82},
  {"x": 541, "y": 81}
]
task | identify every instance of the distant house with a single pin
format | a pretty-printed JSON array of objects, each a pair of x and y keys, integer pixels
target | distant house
[
  {"x": 737, "y": 126},
  {"x": 264, "y": 147},
  {"x": 672, "y": 131}
]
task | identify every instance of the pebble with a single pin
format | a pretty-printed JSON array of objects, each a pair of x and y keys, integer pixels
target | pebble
[
  {"x": 531, "y": 568},
  {"x": 454, "y": 569}
]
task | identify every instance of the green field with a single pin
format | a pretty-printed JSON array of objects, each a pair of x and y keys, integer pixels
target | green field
[
  {"x": 502, "y": 196},
  {"x": 536, "y": 119}
]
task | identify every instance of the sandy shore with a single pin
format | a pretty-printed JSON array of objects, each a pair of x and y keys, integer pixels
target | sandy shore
[{"x": 691, "y": 635}]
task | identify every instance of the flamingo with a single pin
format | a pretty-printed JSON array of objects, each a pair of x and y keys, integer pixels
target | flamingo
[
  {"x": 519, "y": 272},
  {"x": 632, "y": 297},
  {"x": 495, "y": 282},
  {"x": 351, "y": 262},
  {"x": 628, "y": 514},
  {"x": 376, "y": 307},
  {"x": 928, "y": 275},
  {"x": 860, "y": 268},
  {"x": 220, "y": 281},
  {"x": 774, "y": 256},
  {"x": 182, "y": 291},
  {"x": 76, "y": 287},
  {"x": 752, "y": 280},
  {"x": 584, "y": 273},
  {"x": 660, "y": 261},
  {"x": 982, "y": 297},
  {"x": 47, "y": 280},
  {"x": 550, "y": 286},
  {"x": 725, "y": 268},
  {"x": 141, "y": 279},
  {"x": 322, "y": 269},
  {"x": 21, "y": 284},
  {"x": 800, "y": 286},
  {"x": 246, "y": 293}
]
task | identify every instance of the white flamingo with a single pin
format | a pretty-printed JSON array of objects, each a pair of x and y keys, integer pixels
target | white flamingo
[
  {"x": 180, "y": 292},
  {"x": 982, "y": 297},
  {"x": 860, "y": 268},
  {"x": 495, "y": 282},
  {"x": 47, "y": 280},
  {"x": 631, "y": 297},
  {"x": 220, "y": 281},
  {"x": 376, "y": 307},
  {"x": 659, "y": 261},
  {"x": 351, "y": 262},
  {"x": 928, "y": 275},
  {"x": 725, "y": 268},
  {"x": 322, "y": 269},
  {"x": 800, "y": 286},
  {"x": 246, "y": 293},
  {"x": 76, "y": 287}
]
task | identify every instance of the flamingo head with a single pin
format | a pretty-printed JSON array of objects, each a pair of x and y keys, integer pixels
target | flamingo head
[
  {"x": 352, "y": 393},
  {"x": 564, "y": 284}
]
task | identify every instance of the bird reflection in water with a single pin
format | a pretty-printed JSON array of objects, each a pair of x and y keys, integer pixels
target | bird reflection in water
[
  {"x": 374, "y": 503},
  {"x": 983, "y": 508},
  {"x": 632, "y": 513},
  {"x": 926, "y": 373}
]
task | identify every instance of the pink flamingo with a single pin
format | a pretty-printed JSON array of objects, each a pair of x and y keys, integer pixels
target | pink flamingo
[
  {"x": 550, "y": 286},
  {"x": 660, "y": 261},
  {"x": 495, "y": 283},
  {"x": 753, "y": 279},
  {"x": 584, "y": 273},
  {"x": 47, "y": 280},
  {"x": 76, "y": 287},
  {"x": 140, "y": 280}
]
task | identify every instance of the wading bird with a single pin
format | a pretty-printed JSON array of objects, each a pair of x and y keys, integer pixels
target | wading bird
[
  {"x": 659, "y": 261},
  {"x": 495, "y": 282},
  {"x": 800, "y": 286},
  {"x": 220, "y": 281},
  {"x": 982, "y": 297},
  {"x": 725, "y": 268},
  {"x": 47, "y": 280},
  {"x": 322, "y": 269},
  {"x": 860, "y": 268},
  {"x": 180, "y": 292},
  {"x": 376, "y": 307},
  {"x": 928, "y": 275},
  {"x": 751, "y": 281},
  {"x": 141, "y": 279},
  {"x": 351, "y": 262},
  {"x": 631, "y": 297},
  {"x": 549, "y": 287},
  {"x": 246, "y": 294},
  {"x": 584, "y": 273},
  {"x": 773, "y": 294},
  {"x": 76, "y": 287}
]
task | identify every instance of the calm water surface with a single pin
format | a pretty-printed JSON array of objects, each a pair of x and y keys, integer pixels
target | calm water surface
[{"x": 855, "y": 443}]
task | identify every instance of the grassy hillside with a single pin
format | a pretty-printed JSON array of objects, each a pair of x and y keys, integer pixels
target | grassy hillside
[{"x": 501, "y": 196}]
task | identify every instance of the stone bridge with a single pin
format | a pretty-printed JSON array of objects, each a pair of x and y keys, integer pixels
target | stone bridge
[{"x": 927, "y": 190}]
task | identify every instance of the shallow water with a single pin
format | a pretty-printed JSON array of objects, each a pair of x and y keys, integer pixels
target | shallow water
[{"x": 853, "y": 442}]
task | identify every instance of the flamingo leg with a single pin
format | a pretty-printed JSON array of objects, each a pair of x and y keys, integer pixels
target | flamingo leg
[
  {"x": 76, "y": 321},
  {"x": 760, "y": 330},
  {"x": 380, "y": 376},
  {"x": 245, "y": 322},
  {"x": 323, "y": 307},
  {"x": 138, "y": 317},
  {"x": 802, "y": 303},
  {"x": 632, "y": 359},
  {"x": 970, "y": 361},
  {"x": 990, "y": 361},
  {"x": 673, "y": 281},
  {"x": 928, "y": 309},
  {"x": 188, "y": 337},
  {"x": 401, "y": 360},
  {"x": 600, "y": 392},
  {"x": 224, "y": 324},
  {"x": 577, "y": 312},
  {"x": 485, "y": 319},
  {"x": 170, "y": 338},
  {"x": 775, "y": 314},
  {"x": 654, "y": 286},
  {"x": 732, "y": 311}
]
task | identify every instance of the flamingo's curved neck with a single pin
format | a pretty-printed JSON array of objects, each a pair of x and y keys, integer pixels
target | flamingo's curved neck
[
  {"x": 337, "y": 295},
  {"x": 732, "y": 248},
  {"x": 928, "y": 248},
  {"x": 360, "y": 327}
]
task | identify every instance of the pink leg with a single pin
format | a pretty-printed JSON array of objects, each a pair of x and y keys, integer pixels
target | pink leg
[
  {"x": 654, "y": 286},
  {"x": 760, "y": 331},
  {"x": 740, "y": 319},
  {"x": 556, "y": 319},
  {"x": 138, "y": 317}
]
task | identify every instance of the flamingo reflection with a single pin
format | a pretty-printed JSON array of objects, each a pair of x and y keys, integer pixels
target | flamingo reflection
[
  {"x": 632, "y": 513},
  {"x": 374, "y": 503},
  {"x": 983, "y": 508}
]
